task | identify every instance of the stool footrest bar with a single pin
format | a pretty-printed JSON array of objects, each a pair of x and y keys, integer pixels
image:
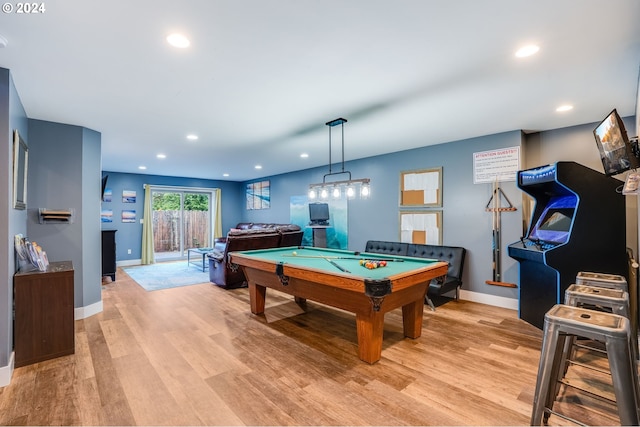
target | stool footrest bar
[
  {"x": 586, "y": 390},
  {"x": 564, "y": 417}
]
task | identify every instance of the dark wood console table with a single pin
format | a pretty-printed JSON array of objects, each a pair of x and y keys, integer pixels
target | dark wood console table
[{"x": 44, "y": 314}]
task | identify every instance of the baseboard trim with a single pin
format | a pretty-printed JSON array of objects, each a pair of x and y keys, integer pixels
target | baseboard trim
[
  {"x": 496, "y": 301},
  {"x": 6, "y": 372},
  {"x": 88, "y": 311},
  {"x": 128, "y": 262}
]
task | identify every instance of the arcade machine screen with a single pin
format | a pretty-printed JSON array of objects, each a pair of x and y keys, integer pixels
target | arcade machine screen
[{"x": 555, "y": 222}]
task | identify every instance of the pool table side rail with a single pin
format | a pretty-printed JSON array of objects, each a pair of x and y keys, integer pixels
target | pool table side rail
[{"x": 353, "y": 282}]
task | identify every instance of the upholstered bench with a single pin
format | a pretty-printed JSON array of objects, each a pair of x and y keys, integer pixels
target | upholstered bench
[{"x": 453, "y": 255}]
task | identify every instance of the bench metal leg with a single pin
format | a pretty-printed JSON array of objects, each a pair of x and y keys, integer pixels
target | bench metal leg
[{"x": 428, "y": 301}]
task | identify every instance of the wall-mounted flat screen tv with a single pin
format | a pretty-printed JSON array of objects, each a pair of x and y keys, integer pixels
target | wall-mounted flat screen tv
[
  {"x": 613, "y": 143},
  {"x": 104, "y": 185}
]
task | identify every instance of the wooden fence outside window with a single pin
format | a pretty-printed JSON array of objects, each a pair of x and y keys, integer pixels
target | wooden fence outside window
[{"x": 166, "y": 232}]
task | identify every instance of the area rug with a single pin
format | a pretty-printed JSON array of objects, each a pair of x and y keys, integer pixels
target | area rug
[{"x": 164, "y": 275}]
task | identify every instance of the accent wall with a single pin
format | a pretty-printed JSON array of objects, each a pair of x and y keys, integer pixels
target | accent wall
[{"x": 129, "y": 235}]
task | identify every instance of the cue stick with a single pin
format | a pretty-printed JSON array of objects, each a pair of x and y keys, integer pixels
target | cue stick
[
  {"x": 339, "y": 267},
  {"x": 346, "y": 257}
]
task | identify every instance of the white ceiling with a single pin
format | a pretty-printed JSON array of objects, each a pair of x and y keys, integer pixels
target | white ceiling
[{"x": 262, "y": 77}]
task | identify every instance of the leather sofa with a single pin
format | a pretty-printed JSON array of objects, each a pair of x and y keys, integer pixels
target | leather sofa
[
  {"x": 245, "y": 238},
  {"x": 291, "y": 233},
  {"x": 453, "y": 255}
]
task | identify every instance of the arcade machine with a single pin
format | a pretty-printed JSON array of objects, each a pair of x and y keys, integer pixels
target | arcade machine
[{"x": 578, "y": 224}]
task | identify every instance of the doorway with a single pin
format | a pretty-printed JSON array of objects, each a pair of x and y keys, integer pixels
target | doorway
[{"x": 182, "y": 220}]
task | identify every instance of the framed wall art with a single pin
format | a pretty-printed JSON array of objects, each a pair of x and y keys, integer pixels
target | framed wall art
[
  {"x": 258, "y": 195},
  {"x": 421, "y": 227},
  {"x": 20, "y": 163},
  {"x": 421, "y": 188}
]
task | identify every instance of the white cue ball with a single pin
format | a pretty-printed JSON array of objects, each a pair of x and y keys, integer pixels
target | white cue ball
[{"x": 294, "y": 253}]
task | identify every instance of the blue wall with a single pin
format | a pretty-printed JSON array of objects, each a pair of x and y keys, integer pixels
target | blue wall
[
  {"x": 12, "y": 221},
  {"x": 465, "y": 222},
  {"x": 129, "y": 235},
  {"x": 64, "y": 173}
]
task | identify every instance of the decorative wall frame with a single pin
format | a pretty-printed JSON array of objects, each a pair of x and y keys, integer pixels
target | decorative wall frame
[
  {"x": 258, "y": 195},
  {"x": 421, "y": 188},
  {"x": 421, "y": 227},
  {"x": 20, "y": 164}
]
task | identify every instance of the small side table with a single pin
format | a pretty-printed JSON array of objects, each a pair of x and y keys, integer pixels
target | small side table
[{"x": 201, "y": 252}]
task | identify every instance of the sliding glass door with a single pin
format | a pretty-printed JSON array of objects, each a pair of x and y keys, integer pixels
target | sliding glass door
[
  {"x": 181, "y": 220},
  {"x": 196, "y": 224}
]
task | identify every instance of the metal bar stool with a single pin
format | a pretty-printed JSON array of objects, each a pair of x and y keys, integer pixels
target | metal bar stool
[
  {"x": 613, "y": 330},
  {"x": 612, "y": 300},
  {"x": 602, "y": 280},
  {"x": 609, "y": 300},
  {"x": 613, "y": 281}
]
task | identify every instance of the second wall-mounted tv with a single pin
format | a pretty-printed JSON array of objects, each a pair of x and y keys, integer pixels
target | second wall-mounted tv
[
  {"x": 104, "y": 186},
  {"x": 613, "y": 143}
]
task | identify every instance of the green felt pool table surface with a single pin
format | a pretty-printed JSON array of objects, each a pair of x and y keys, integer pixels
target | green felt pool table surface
[
  {"x": 318, "y": 259},
  {"x": 336, "y": 278}
]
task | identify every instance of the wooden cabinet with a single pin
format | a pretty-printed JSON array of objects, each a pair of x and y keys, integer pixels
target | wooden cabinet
[
  {"x": 44, "y": 314},
  {"x": 109, "y": 253}
]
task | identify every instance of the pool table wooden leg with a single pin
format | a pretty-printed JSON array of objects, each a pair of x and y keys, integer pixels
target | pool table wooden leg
[
  {"x": 257, "y": 295},
  {"x": 370, "y": 327},
  {"x": 412, "y": 314}
]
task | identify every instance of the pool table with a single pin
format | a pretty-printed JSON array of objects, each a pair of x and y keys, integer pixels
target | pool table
[{"x": 336, "y": 278}]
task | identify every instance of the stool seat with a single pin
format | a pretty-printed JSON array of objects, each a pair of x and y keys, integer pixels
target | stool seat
[
  {"x": 598, "y": 290},
  {"x": 596, "y": 298},
  {"x": 588, "y": 323},
  {"x": 615, "y": 300},
  {"x": 563, "y": 322},
  {"x": 602, "y": 280}
]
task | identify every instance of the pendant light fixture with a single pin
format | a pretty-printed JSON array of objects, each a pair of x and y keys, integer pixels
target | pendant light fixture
[{"x": 349, "y": 188}]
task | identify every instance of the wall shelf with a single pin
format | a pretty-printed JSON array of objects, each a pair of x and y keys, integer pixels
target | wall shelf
[{"x": 55, "y": 216}]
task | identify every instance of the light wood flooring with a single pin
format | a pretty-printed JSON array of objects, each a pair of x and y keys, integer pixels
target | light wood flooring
[{"x": 195, "y": 355}]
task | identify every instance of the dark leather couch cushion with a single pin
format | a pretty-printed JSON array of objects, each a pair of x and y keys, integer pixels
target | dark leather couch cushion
[
  {"x": 382, "y": 247},
  {"x": 250, "y": 232},
  {"x": 244, "y": 225},
  {"x": 454, "y": 255},
  {"x": 287, "y": 227}
]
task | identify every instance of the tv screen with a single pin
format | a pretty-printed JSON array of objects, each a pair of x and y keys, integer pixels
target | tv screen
[
  {"x": 318, "y": 212},
  {"x": 615, "y": 150},
  {"x": 555, "y": 222},
  {"x": 104, "y": 185}
]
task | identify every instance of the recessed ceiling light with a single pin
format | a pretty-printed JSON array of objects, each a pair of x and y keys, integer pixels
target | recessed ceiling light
[
  {"x": 304, "y": 155},
  {"x": 161, "y": 156},
  {"x": 258, "y": 166},
  {"x": 192, "y": 137},
  {"x": 178, "y": 40},
  {"x": 563, "y": 108},
  {"x": 225, "y": 174},
  {"x": 142, "y": 167},
  {"x": 527, "y": 51}
]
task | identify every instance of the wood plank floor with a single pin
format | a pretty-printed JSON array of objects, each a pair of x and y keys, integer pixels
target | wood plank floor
[{"x": 196, "y": 356}]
